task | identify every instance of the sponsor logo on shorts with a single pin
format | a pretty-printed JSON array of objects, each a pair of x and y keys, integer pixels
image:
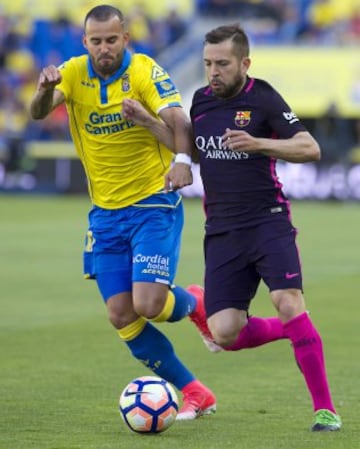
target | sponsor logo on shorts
[
  {"x": 291, "y": 275},
  {"x": 155, "y": 264}
]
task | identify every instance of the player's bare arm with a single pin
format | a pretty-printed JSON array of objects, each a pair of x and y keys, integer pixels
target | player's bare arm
[
  {"x": 180, "y": 174},
  {"x": 46, "y": 97},
  {"x": 302, "y": 147},
  {"x": 173, "y": 124},
  {"x": 135, "y": 111}
]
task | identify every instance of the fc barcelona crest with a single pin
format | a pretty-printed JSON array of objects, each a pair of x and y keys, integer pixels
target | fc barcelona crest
[{"x": 242, "y": 118}]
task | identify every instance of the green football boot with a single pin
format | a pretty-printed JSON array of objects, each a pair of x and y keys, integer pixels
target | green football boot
[{"x": 326, "y": 421}]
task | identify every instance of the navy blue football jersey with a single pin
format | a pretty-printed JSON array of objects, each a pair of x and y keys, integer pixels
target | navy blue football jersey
[{"x": 241, "y": 189}]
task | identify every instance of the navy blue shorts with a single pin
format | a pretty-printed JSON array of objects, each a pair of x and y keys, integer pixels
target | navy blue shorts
[{"x": 238, "y": 260}]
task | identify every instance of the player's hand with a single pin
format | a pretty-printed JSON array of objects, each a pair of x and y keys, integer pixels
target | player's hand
[
  {"x": 135, "y": 111},
  {"x": 240, "y": 141},
  {"x": 50, "y": 76},
  {"x": 180, "y": 175}
]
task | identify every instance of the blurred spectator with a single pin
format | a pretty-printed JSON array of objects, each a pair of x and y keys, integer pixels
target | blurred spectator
[
  {"x": 291, "y": 24},
  {"x": 139, "y": 26},
  {"x": 13, "y": 124},
  {"x": 55, "y": 41},
  {"x": 26, "y": 45},
  {"x": 175, "y": 26},
  {"x": 322, "y": 22},
  {"x": 216, "y": 8}
]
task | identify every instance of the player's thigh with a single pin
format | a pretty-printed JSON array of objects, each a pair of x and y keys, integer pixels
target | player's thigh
[
  {"x": 107, "y": 254},
  {"x": 277, "y": 258},
  {"x": 230, "y": 281},
  {"x": 113, "y": 282},
  {"x": 156, "y": 245}
]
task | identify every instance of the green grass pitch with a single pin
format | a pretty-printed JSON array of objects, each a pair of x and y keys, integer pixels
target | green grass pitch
[{"x": 63, "y": 366}]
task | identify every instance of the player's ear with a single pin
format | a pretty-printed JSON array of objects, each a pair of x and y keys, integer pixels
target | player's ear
[
  {"x": 126, "y": 38},
  {"x": 84, "y": 41},
  {"x": 246, "y": 62}
]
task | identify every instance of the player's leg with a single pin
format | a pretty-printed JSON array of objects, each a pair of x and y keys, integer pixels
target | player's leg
[
  {"x": 281, "y": 271},
  {"x": 152, "y": 348},
  {"x": 155, "y": 250},
  {"x": 308, "y": 350},
  {"x": 106, "y": 251},
  {"x": 160, "y": 245},
  {"x": 233, "y": 329},
  {"x": 230, "y": 284}
]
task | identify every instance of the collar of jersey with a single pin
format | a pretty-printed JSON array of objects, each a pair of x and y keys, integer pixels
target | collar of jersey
[
  {"x": 120, "y": 71},
  {"x": 104, "y": 83}
]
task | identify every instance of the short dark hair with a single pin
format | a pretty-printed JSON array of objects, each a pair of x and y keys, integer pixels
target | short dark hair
[
  {"x": 103, "y": 13},
  {"x": 233, "y": 32}
]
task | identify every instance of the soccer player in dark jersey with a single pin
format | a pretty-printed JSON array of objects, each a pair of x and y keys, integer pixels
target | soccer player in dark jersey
[
  {"x": 241, "y": 126},
  {"x": 135, "y": 223}
]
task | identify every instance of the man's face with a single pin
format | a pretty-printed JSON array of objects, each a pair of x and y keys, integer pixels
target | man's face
[
  {"x": 105, "y": 42},
  {"x": 226, "y": 71}
]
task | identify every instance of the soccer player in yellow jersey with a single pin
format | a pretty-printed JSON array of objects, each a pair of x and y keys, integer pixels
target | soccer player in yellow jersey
[{"x": 135, "y": 223}]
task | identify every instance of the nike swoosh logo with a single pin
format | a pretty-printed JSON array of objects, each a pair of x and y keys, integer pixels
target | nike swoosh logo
[{"x": 291, "y": 275}]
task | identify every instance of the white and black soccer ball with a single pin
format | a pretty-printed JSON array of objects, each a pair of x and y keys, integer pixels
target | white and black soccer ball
[{"x": 148, "y": 404}]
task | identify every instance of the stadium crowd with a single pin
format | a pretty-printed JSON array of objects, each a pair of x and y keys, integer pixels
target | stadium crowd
[
  {"x": 28, "y": 42},
  {"x": 315, "y": 22}
]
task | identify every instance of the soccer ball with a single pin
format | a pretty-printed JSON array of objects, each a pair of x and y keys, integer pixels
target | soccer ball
[{"x": 148, "y": 404}]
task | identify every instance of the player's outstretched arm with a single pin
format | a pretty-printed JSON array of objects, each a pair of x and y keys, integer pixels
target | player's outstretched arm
[
  {"x": 302, "y": 147},
  {"x": 46, "y": 97}
]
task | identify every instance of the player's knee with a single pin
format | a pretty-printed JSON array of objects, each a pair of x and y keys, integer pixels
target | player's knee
[
  {"x": 225, "y": 332},
  {"x": 150, "y": 307},
  {"x": 225, "y": 339},
  {"x": 120, "y": 313},
  {"x": 289, "y": 303},
  {"x": 117, "y": 320}
]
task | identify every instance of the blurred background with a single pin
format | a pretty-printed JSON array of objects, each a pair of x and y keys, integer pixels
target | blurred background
[{"x": 308, "y": 49}]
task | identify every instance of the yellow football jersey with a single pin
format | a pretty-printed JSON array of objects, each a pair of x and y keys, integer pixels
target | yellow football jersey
[{"x": 124, "y": 162}]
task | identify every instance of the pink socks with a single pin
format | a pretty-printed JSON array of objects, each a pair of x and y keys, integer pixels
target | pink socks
[
  {"x": 307, "y": 346},
  {"x": 257, "y": 332},
  {"x": 308, "y": 351}
]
